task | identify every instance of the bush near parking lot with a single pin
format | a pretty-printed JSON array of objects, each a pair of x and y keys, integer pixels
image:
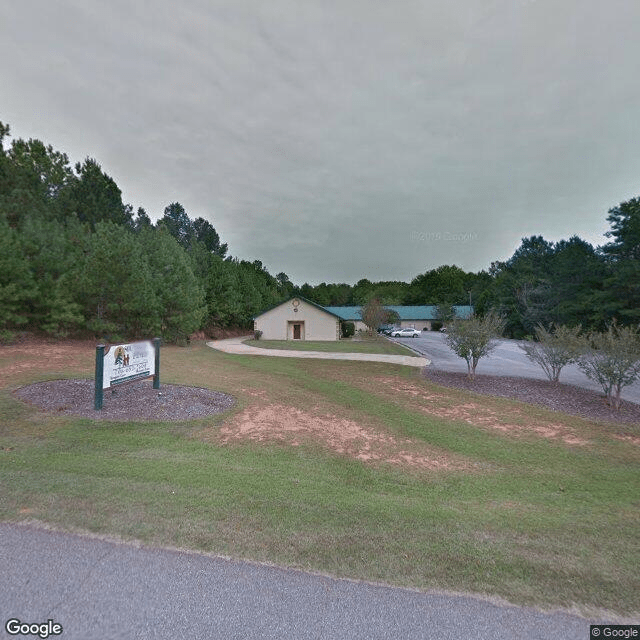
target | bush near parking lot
[
  {"x": 612, "y": 359},
  {"x": 374, "y": 314},
  {"x": 474, "y": 338},
  {"x": 553, "y": 350}
]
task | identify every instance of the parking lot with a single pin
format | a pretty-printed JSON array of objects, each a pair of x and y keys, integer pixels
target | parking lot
[{"x": 507, "y": 359}]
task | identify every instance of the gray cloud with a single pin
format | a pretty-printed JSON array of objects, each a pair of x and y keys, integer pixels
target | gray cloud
[{"x": 336, "y": 141}]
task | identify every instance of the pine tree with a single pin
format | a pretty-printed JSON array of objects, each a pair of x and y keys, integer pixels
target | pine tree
[
  {"x": 115, "y": 286},
  {"x": 180, "y": 297},
  {"x": 17, "y": 286}
]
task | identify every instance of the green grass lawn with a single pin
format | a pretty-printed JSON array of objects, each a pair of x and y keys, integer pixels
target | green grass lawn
[
  {"x": 371, "y": 345},
  {"x": 535, "y": 521}
]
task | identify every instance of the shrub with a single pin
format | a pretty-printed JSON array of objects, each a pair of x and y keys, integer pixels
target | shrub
[
  {"x": 348, "y": 329},
  {"x": 257, "y": 334},
  {"x": 6, "y": 337},
  {"x": 553, "y": 351},
  {"x": 474, "y": 338},
  {"x": 612, "y": 359}
]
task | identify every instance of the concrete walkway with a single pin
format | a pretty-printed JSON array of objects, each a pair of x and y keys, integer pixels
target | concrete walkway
[{"x": 235, "y": 345}]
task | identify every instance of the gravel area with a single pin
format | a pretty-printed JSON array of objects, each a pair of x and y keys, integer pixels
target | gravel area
[
  {"x": 558, "y": 397},
  {"x": 136, "y": 401}
]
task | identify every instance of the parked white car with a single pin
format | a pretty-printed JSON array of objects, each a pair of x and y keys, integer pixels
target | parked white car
[{"x": 405, "y": 333}]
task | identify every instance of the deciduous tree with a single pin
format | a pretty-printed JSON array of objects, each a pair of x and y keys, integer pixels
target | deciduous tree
[
  {"x": 446, "y": 285},
  {"x": 612, "y": 359},
  {"x": 374, "y": 315},
  {"x": 553, "y": 350},
  {"x": 474, "y": 338}
]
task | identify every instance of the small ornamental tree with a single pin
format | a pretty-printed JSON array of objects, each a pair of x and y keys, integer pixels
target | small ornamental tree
[
  {"x": 612, "y": 359},
  {"x": 474, "y": 338},
  {"x": 374, "y": 314},
  {"x": 553, "y": 350}
]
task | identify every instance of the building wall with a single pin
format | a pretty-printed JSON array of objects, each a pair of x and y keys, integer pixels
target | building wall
[
  {"x": 277, "y": 324},
  {"x": 416, "y": 324},
  {"x": 401, "y": 324}
]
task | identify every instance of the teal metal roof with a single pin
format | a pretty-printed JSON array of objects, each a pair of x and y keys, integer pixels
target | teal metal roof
[
  {"x": 463, "y": 310},
  {"x": 405, "y": 312},
  {"x": 346, "y": 313}
]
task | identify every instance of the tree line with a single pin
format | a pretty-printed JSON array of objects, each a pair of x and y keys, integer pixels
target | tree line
[
  {"x": 568, "y": 282},
  {"x": 75, "y": 258}
]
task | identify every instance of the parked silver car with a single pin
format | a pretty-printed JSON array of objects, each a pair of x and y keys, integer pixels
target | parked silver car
[{"x": 405, "y": 333}]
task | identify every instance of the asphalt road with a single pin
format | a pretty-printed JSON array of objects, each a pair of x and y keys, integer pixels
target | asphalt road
[
  {"x": 113, "y": 591},
  {"x": 507, "y": 360}
]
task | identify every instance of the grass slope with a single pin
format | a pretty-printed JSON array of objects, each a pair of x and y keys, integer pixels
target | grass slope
[
  {"x": 532, "y": 520},
  {"x": 371, "y": 345}
]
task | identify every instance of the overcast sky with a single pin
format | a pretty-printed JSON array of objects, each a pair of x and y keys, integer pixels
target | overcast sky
[{"x": 338, "y": 140}]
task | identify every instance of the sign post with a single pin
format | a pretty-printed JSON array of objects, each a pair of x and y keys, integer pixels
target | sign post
[
  {"x": 124, "y": 363},
  {"x": 156, "y": 374},
  {"x": 98, "y": 396}
]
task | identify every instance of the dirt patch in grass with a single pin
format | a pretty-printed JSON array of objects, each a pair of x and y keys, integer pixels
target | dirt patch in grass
[
  {"x": 558, "y": 397},
  {"x": 280, "y": 423},
  {"x": 513, "y": 422},
  {"x": 635, "y": 440},
  {"x": 136, "y": 401},
  {"x": 42, "y": 355}
]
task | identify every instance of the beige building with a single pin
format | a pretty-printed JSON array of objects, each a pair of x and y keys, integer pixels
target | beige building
[
  {"x": 301, "y": 319},
  {"x": 298, "y": 319}
]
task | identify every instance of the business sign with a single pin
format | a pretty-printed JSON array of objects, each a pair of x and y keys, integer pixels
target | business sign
[
  {"x": 124, "y": 363},
  {"x": 127, "y": 363}
]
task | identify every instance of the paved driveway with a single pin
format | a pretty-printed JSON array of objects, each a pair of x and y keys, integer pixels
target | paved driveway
[
  {"x": 235, "y": 345},
  {"x": 100, "y": 589},
  {"x": 507, "y": 360}
]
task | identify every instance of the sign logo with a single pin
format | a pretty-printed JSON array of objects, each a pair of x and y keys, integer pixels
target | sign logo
[{"x": 121, "y": 357}]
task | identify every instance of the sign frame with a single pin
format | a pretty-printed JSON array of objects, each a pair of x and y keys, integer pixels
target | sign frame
[{"x": 130, "y": 371}]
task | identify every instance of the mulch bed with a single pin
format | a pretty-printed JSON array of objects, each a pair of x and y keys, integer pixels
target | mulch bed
[
  {"x": 132, "y": 402},
  {"x": 558, "y": 397},
  {"x": 140, "y": 401}
]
